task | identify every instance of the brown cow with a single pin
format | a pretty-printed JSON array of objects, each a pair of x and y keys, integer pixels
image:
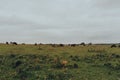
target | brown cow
[{"x": 64, "y": 63}]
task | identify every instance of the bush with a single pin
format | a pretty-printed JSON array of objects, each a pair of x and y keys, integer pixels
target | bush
[
  {"x": 59, "y": 75},
  {"x": 75, "y": 65},
  {"x": 57, "y": 65},
  {"x": 17, "y": 63},
  {"x": 75, "y": 58},
  {"x": 115, "y": 66},
  {"x": 108, "y": 65},
  {"x": 23, "y": 74}
]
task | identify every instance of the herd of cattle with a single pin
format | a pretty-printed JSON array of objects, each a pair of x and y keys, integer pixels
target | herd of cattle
[
  {"x": 53, "y": 45},
  {"x": 62, "y": 45}
]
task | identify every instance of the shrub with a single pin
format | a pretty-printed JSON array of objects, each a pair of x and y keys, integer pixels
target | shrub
[
  {"x": 115, "y": 56},
  {"x": 17, "y": 63},
  {"x": 57, "y": 75},
  {"x": 108, "y": 65},
  {"x": 75, "y": 58},
  {"x": 57, "y": 65},
  {"x": 23, "y": 74},
  {"x": 75, "y": 65},
  {"x": 12, "y": 55}
]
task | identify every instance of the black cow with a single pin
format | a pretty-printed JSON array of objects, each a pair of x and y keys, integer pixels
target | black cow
[
  {"x": 14, "y": 43},
  {"x": 82, "y": 44},
  {"x": 73, "y": 45},
  {"x": 61, "y": 45},
  {"x": 7, "y": 43},
  {"x": 113, "y": 46}
]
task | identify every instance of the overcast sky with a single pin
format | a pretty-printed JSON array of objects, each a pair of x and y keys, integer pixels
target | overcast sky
[{"x": 60, "y": 21}]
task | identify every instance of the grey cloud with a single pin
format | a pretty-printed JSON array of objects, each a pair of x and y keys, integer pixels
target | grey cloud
[
  {"x": 59, "y": 20},
  {"x": 107, "y": 4}
]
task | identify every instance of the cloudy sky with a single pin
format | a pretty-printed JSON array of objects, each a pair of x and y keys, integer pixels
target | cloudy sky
[{"x": 60, "y": 21}]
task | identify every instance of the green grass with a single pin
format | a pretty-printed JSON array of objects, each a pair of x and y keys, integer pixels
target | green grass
[{"x": 29, "y": 62}]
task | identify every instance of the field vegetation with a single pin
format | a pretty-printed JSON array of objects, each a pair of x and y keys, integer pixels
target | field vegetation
[{"x": 64, "y": 62}]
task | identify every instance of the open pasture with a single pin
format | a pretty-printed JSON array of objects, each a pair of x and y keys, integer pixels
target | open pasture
[{"x": 47, "y": 62}]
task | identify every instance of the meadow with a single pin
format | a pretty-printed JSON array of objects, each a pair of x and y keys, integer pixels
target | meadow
[{"x": 45, "y": 62}]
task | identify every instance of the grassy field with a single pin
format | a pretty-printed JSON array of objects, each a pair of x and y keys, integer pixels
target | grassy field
[{"x": 44, "y": 62}]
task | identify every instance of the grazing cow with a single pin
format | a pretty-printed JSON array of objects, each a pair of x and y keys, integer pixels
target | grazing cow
[
  {"x": 82, "y": 44},
  {"x": 61, "y": 45},
  {"x": 7, "y": 43},
  {"x": 89, "y": 43},
  {"x": 14, "y": 43},
  {"x": 35, "y": 44},
  {"x": 73, "y": 45},
  {"x": 113, "y": 46},
  {"x": 119, "y": 46},
  {"x": 64, "y": 63}
]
